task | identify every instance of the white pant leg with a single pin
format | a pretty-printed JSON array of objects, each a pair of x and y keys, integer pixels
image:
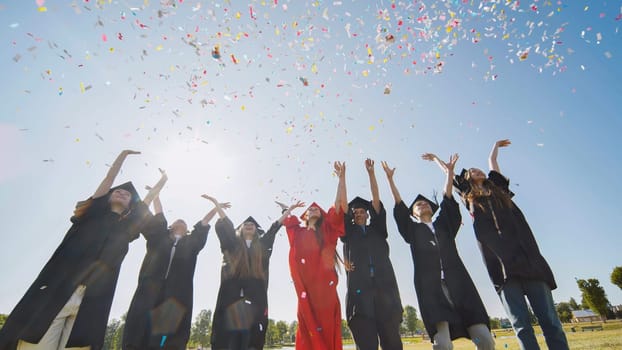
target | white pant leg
[
  {"x": 57, "y": 334},
  {"x": 481, "y": 336},
  {"x": 442, "y": 339}
]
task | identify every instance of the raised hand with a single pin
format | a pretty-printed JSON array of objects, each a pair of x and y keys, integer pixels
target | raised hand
[
  {"x": 340, "y": 169},
  {"x": 429, "y": 156},
  {"x": 503, "y": 143},
  {"x": 224, "y": 205},
  {"x": 126, "y": 152},
  {"x": 298, "y": 204},
  {"x": 387, "y": 169},
  {"x": 369, "y": 165},
  {"x": 348, "y": 265},
  {"x": 210, "y": 198},
  {"x": 452, "y": 162}
]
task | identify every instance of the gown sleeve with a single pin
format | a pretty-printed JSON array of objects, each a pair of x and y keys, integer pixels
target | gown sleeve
[
  {"x": 450, "y": 214},
  {"x": 379, "y": 221},
  {"x": 226, "y": 234},
  {"x": 403, "y": 221},
  {"x": 89, "y": 207},
  {"x": 500, "y": 181},
  {"x": 267, "y": 239},
  {"x": 198, "y": 236},
  {"x": 291, "y": 224},
  {"x": 155, "y": 228},
  {"x": 335, "y": 223}
]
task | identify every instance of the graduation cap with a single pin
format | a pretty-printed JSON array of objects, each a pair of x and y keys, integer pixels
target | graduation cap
[
  {"x": 128, "y": 186},
  {"x": 304, "y": 214},
  {"x": 461, "y": 183},
  {"x": 359, "y": 202},
  {"x": 166, "y": 317},
  {"x": 257, "y": 226},
  {"x": 250, "y": 219},
  {"x": 421, "y": 197}
]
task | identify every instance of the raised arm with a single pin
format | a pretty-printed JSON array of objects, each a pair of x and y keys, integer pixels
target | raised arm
[
  {"x": 341, "y": 200},
  {"x": 390, "y": 172},
  {"x": 492, "y": 158},
  {"x": 449, "y": 180},
  {"x": 107, "y": 182},
  {"x": 155, "y": 190},
  {"x": 210, "y": 215},
  {"x": 157, "y": 205},
  {"x": 217, "y": 206},
  {"x": 373, "y": 184},
  {"x": 288, "y": 210},
  {"x": 434, "y": 158}
]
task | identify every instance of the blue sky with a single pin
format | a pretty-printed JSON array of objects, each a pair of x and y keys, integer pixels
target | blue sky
[{"x": 86, "y": 79}]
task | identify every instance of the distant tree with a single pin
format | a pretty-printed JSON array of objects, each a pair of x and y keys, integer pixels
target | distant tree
[
  {"x": 272, "y": 333},
  {"x": 3, "y": 318},
  {"x": 573, "y": 304},
  {"x": 410, "y": 319},
  {"x": 495, "y": 323},
  {"x": 293, "y": 327},
  {"x": 345, "y": 330},
  {"x": 114, "y": 335},
  {"x": 564, "y": 311},
  {"x": 281, "y": 326},
  {"x": 616, "y": 276},
  {"x": 200, "y": 333},
  {"x": 594, "y": 296}
]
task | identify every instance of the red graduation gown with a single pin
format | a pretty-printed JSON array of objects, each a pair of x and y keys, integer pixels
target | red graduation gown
[{"x": 315, "y": 279}]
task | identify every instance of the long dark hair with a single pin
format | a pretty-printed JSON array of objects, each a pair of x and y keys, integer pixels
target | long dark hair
[
  {"x": 246, "y": 262},
  {"x": 475, "y": 197}
]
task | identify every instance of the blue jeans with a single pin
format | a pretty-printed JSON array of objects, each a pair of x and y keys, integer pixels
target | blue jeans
[{"x": 541, "y": 300}]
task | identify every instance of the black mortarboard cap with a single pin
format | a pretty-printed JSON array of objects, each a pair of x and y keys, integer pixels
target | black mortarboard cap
[
  {"x": 359, "y": 202},
  {"x": 128, "y": 186},
  {"x": 421, "y": 197},
  {"x": 461, "y": 184},
  {"x": 251, "y": 219}
]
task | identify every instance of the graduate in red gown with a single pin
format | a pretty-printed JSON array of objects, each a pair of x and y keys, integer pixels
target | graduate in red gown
[{"x": 312, "y": 262}]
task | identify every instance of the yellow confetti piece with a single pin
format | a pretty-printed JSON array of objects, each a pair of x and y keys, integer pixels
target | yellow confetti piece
[
  {"x": 365, "y": 73},
  {"x": 243, "y": 107},
  {"x": 111, "y": 49},
  {"x": 42, "y": 9},
  {"x": 77, "y": 140},
  {"x": 505, "y": 36},
  {"x": 159, "y": 48},
  {"x": 289, "y": 129},
  {"x": 277, "y": 31},
  {"x": 238, "y": 15},
  {"x": 82, "y": 89},
  {"x": 314, "y": 68},
  {"x": 372, "y": 128}
]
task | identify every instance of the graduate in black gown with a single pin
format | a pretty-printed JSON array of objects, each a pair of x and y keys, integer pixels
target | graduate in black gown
[
  {"x": 160, "y": 314},
  {"x": 449, "y": 303},
  {"x": 69, "y": 302},
  {"x": 241, "y": 313},
  {"x": 514, "y": 262},
  {"x": 373, "y": 304}
]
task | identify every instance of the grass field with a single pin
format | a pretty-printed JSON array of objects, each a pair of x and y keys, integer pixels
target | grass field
[{"x": 609, "y": 338}]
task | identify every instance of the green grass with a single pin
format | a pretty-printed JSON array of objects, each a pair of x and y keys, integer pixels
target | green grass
[{"x": 609, "y": 338}]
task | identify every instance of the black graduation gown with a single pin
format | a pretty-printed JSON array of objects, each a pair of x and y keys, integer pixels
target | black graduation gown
[
  {"x": 174, "y": 294},
  {"x": 232, "y": 311},
  {"x": 512, "y": 250},
  {"x": 427, "y": 252},
  {"x": 91, "y": 254},
  {"x": 368, "y": 250}
]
